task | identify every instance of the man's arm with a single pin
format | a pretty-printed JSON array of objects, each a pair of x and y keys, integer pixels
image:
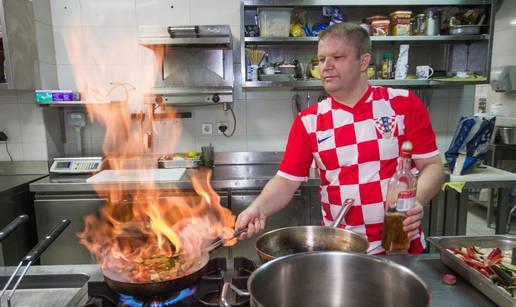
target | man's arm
[
  {"x": 431, "y": 175},
  {"x": 275, "y": 196}
]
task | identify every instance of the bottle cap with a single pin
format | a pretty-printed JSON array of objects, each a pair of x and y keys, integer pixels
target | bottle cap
[
  {"x": 388, "y": 55},
  {"x": 406, "y": 149}
]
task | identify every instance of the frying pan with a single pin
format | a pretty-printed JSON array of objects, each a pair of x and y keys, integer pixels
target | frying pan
[
  {"x": 291, "y": 240},
  {"x": 156, "y": 289}
]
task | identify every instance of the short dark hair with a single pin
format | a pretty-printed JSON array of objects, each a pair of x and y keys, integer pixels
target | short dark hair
[{"x": 357, "y": 35}]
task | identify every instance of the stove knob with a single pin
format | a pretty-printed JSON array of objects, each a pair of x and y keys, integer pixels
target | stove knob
[{"x": 215, "y": 98}]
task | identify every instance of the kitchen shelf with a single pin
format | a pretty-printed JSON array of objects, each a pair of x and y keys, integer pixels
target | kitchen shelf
[
  {"x": 316, "y": 84},
  {"x": 288, "y": 3},
  {"x": 72, "y": 103},
  {"x": 415, "y": 38}
]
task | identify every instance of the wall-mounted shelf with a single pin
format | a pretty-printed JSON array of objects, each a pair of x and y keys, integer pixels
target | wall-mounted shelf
[
  {"x": 316, "y": 84},
  {"x": 394, "y": 39},
  {"x": 72, "y": 103}
]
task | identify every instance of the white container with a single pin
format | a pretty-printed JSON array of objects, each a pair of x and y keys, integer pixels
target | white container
[{"x": 274, "y": 22}]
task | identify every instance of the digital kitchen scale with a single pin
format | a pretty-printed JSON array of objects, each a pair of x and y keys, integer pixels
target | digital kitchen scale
[{"x": 83, "y": 165}]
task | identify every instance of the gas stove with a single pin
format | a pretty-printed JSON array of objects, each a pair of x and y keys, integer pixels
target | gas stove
[{"x": 205, "y": 293}]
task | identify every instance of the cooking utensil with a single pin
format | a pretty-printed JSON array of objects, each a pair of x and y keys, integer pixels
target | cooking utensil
[
  {"x": 298, "y": 239},
  {"x": 168, "y": 286},
  {"x": 484, "y": 285},
  {"x": 464, "y": 29},
  {"x": 332, "y": 279},
  {"x": 507, "y": 134},
  {"x": 32, "y": 256},
  {"x": 7, "y": 230}
]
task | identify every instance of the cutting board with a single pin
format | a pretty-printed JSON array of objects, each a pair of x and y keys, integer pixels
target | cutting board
[{"x": 137, "y": 175}]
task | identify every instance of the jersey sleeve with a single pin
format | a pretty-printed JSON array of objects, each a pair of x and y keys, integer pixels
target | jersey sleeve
[
  {"x": 298, "y": 154},
  {"x": 419, "y": 130}
]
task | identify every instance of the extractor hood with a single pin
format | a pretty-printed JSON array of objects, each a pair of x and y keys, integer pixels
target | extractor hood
[
  {"x": 197, "y": 66},
  {"x": 200, "y": 36}
]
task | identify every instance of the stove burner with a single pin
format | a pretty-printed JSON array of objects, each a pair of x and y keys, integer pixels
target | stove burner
[
  {"x": 205, "y": 293},
  {"x": 131, "y": 301}
]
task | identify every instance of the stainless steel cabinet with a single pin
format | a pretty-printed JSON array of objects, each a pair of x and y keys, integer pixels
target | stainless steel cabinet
[
  {"x": 294, "y": 214},
  {"x": 49, "y": 210}
]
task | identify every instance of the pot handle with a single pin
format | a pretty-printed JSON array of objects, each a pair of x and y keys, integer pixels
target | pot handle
[
  {"x": 342, "y": 213},
  {"x": 224, "y": 296}
]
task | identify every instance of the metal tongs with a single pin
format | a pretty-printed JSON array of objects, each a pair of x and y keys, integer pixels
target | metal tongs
[
  {"x": 7, "y": 230},
  {"x": 32, "y": 256}
]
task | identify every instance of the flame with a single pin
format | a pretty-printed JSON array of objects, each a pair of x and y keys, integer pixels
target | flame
[{"x": 147, "y": 234}]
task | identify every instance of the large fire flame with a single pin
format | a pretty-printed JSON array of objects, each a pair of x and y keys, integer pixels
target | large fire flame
[{"x": 137, "y": 235}]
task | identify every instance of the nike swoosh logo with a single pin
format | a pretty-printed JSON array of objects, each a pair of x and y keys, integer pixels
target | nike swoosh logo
[{"x": 324, "y": 139}]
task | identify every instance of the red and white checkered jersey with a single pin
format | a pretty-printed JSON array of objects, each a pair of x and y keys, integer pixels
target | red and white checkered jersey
[{"x": 355, "y": 150}]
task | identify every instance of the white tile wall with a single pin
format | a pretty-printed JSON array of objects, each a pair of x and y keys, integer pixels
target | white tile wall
[
  {"x": 66, "y": 13},
  {"x": 108, "y": 13},
  {"x": 207, "y": 12},
  {"x": 163, "y": 12},
  {"x": 108, "y": 51},
  {"x": 504, "y": 53}
]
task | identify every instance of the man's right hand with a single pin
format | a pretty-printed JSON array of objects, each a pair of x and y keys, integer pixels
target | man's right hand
[{"x": 251, "y": 218}]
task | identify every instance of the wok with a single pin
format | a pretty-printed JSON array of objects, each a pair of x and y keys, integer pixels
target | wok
[
  {"x": 291, "y": 240},
  {"x": 156, "y": 289},
  {"x": 332, "y": 279}
]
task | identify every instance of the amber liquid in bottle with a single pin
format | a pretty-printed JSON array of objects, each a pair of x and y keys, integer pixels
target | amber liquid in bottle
[{"x": 401, "y": 195}]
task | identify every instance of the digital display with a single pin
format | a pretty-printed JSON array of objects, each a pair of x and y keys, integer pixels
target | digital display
[{"x": 63, "y": 164}]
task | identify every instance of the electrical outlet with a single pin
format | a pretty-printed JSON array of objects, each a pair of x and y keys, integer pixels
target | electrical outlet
[
  {"x": 3, "y": 136},
  {"x": 219, "y": 125},
  {"x": 207, "y": 128}
]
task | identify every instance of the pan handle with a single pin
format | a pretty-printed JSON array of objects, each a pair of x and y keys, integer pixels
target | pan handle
[
  {"x": 342, "y": 213},
  {"x": 42, "y": 245},
  {"x": 224, "y": 296},
  {"x": 12, "y": 226}
]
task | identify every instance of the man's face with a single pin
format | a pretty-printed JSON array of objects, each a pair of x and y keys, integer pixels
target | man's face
[{"x": 340, "y": 65}]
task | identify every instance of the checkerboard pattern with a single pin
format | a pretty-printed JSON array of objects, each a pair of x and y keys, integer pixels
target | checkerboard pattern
[{"x": 356, "y": 151}]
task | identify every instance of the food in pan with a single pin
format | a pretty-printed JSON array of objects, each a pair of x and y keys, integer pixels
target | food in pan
[{"x": 493, "y": 263}]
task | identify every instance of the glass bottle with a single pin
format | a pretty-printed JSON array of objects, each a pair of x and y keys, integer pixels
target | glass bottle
[
  {"x": 388, "y": 66},
  {"x": 401, "y": 195}
]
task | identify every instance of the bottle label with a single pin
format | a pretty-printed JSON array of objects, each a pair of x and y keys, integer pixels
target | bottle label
[{"x": 406, "y": 200}]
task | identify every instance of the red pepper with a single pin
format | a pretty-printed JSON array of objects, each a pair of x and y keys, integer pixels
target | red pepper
[
  {"x": 474, "y": 264},
  {"x": 494, "y": 253},
  {"x": 471, "y": 252},
  {"x": 493, "y": 260},
  {"x": 458, "y": 251}
]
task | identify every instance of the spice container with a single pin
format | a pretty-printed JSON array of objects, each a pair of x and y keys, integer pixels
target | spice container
[
  {"x": 419, "y": 27},
  {"x": 380, "y": 27},
  {"x": 401, "y": 23},
  {"x": 388, "y": 66},
  {"x": 433, "y": 22}
]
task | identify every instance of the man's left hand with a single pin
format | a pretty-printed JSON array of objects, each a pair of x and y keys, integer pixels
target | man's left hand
[{"x": 413, "y": 220}]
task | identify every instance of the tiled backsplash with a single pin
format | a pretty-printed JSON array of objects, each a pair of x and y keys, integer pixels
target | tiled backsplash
[
  {"x": 504, "y": 53},
  {"x": 22, "y": 121}
]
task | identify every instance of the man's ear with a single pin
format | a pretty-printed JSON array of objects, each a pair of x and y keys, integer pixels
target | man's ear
[{"x": 365, "y": 59}]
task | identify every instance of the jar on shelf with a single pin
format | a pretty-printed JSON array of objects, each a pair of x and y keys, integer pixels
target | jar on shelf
[
  {"x": 401, "y": 23},
  {"x": 419, "y": 26},
  {"x": 380, "y": 27},
  {"x": 388, "y": 66},
  {"x": 371, "y": 72}
]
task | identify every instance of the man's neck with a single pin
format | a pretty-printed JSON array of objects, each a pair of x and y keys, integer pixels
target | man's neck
[{"x": 351, "y": 98}]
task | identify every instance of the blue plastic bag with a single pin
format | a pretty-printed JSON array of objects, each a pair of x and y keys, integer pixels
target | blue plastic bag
[{"x": 471, "y": 139}]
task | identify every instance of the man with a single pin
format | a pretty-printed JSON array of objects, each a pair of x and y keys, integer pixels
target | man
[{"x": 354, "y": 137}]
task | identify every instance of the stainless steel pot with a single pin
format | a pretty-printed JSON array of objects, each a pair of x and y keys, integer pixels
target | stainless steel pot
[
  {"x": 507, "y": 134},
  {"x": 464, "y": 29},
  {"x": 333, "y": 279}
]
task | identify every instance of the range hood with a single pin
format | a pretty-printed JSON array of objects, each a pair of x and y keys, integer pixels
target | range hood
[
  {"x": 219, "y": 35},
  {"x": 197, "y": 65}
]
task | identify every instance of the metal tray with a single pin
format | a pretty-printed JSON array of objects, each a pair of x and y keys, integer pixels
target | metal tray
[
  {"x": 504, "y": 242},
  {"x": 187, "y": 163}
]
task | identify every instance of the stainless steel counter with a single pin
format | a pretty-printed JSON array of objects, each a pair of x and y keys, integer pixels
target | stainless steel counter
[
  {"x": 251, "y": 176},
  {"x": 428, "y": 267}
]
